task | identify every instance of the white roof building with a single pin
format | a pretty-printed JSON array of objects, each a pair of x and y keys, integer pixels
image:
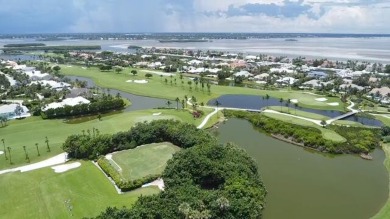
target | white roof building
[
  {"x": 9, "y": 111},
  {"x": 287, "y": 80},
  {"x": 53, "y": 84},
  {"x": 37, "y": 75},
  {"x": 245, "y": 74},
  {"x": 67, "y": 102}
]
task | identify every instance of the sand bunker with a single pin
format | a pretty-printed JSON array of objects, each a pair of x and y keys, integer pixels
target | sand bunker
[
  {"x": 137, "y": 81},
  {"x": 156, "y": 114},
  {"x": 66, "y": 167},
  {"x": 321, "y": 99},
  {"x": 294, "y": 101},
  {"x": 1, "y": 152},
  {"x": 333, "y": 104},
  {"x": 140, "y": 81},
  {"x": 158, "y": 182}
]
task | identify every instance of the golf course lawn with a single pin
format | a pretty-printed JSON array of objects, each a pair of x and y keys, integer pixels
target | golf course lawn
[
  {"x": 301, "y": 113},
  {"x": 156, "y": 87},
  {"x": 385, "y": 211},
  {"x": 42, "y": 193},
  {"x": 33, "y": 130},
  {"x": 326, "y": 133},
  {"x": 144, "y": 160},
  {"x": 385, "y": 119},
  {"x": 349, "y": 123}
]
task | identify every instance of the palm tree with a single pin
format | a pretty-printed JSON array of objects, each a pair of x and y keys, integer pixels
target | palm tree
[
  {"x": 217, "y": 104},
  {"x": 288, "y": 105},
  {"x": 295, "y": 105},
  {"x": 36, "y": 145},
  {"x": 323, "y": 123},
  {"x": 134, "y": 72},
  {"x": 177, "y": 102},
  {"x": 223, "y": 204},
  {"x": 183, "y": 103},
  {"x": 281, "y": 104},
  {"x": 186, "y": 99},
  {"x": 190, "y": 84},
  {"x": 25, "y": 152},
  {"x": 185, "y": 209},
  {"x": 9, "y": 154},
  {"x": 47, "y": 144},
  {"x": 5, "y": 152},
  {"x": 169, "y": 103},
  {"x": 267, "y": 98}
]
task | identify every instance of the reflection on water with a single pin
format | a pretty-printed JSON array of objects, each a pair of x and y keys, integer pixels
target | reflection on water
[{"x": 306, "y": 184}]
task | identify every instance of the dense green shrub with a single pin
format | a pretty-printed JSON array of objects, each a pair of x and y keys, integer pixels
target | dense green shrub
[{"x": 358, "y": 139}]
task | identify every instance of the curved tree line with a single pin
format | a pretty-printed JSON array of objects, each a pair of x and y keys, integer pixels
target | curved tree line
[{"x": 206, "y": 180}]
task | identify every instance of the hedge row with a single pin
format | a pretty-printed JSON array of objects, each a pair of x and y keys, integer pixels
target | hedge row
[{"x": 124, "y": 185}]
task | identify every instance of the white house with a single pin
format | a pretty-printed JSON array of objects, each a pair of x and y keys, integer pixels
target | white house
[
  {"x": 67, "y": 102},
  {"x": 37, "y": 75},
  {"x": 53, "y": 84},
  {"x": 244, "y": 74},
  {"x": 14, "y": 111},
  {"x": 287, "y": 80}
]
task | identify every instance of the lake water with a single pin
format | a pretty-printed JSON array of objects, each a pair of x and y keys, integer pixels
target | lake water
[
  {"x": 257, "y": 102},
  {"x": 303, "y": 184},
  {"x": 367, "y": 49}
]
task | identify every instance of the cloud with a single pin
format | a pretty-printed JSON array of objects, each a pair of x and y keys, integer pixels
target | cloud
[{"x": 51, "y": 16}]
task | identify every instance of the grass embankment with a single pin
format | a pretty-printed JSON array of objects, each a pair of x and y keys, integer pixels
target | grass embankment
[
  {"x": 385, "y": 211},
  {"x": 158, "y": 88},
  {"x": 385, "y": 119},
  {"x": 301, "y": 113},
  {"x": 33, "y": 130},
  {"x": 144, "y": 160},
  {"x": 43, "y": 193},
  {"x": 326, "y": 133}
]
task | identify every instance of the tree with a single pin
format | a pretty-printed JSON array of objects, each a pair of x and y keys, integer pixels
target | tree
[
  {"x": 9, "y": 154},
  {"x": 118, "y": 70},
  {"x": 281, "y": 104},
  {"x": 295, "y": 106},
  {"x": 185, "y": 209},
  {"x": 5, "y": 152},
  {"x": 177, "y": 102},
  {"x": 186, "y": 99},
  {"x": 47, "y": 144},
  {"x": 267, "y": 98},
  {"x": 148, "y": 75},
  {"x": 134, "y": 72},
  {"x": 25, "y": 152},
  {"x": 18, "y": 110},
  {"x": 169, "y": 103},
  {"x": 183, "y": 103},
  {"x": 36, "y": 146},
  {"x": 99, "y": 117},
  {"x": 288, "y": 105},
  {"x": 323, "y": 123},
  {"x": 56, "y": 68},
  {"x": 190, "y": 84},
  {"x": 217, "y": 104}
]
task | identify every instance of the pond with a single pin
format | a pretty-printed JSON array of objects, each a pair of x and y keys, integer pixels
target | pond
[
  {"x": 137, "y": 102},
  {"x": 305, "y": 184},
  {"x": 257, "y": 102}
]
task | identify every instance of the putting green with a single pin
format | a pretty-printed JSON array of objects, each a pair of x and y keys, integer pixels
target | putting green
[
  {"x": 144, "y": 160},
  {"x": 45, "y": 194}
]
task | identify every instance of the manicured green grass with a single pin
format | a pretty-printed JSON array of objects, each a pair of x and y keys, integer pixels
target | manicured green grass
[
  {"x": 348, "y": 123},
  {"x": 33, "y": 130},
  {"x": 144, "y": 160},
  {"x": 385, "y": 211},
  {"x": 326, "y": 133},
  {"x": 301, "y": 113},
  {"x": 385, "y": 119},
  {"x": 158, "y": 88},
  {"x": 42, "y": 193}
]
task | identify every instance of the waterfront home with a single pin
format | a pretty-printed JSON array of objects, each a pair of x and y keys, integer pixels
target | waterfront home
[
  {"x": 260, "y": 77},
  {"x": 286, "y": 81},
  {"x": 317, "y": 74},
  {"x": 244, "y": 74},
  {"x": 53, "y": 84},
  {"x": 383, "y": 91},
  {"x": 35, "y": 75},
  {"x": 14, "y": 111},
  {"x": 67, "y": 102}
]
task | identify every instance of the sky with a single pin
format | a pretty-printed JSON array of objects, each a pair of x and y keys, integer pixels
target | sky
[{"x": 128, "y": 16}]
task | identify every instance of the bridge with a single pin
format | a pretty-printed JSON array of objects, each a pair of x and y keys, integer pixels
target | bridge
[{"x": 342, "y": 116}]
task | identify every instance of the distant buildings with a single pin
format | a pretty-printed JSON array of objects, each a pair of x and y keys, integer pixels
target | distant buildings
[{"x": 14, "y": 111}]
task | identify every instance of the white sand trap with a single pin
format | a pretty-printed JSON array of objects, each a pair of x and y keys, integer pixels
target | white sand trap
[
  {"x": 294, "y": 101},
  {"x": 156, "y": 114},
  {"x": 321, "y": 99},
  {"x": 69, "y": 66},
  {"x": 84, "y": 67},
  {"x": 59, "y": 159},
  {"x": 108, "y": 156},
  {"x": 158, "y": 182},
  {"x": 130, "y": 81},
  {"x": 140, "y": 81},
  {"x": 333, "y": 104},
  {"x": 66, "y": 167},
  {"x": 1, "y": 152}
]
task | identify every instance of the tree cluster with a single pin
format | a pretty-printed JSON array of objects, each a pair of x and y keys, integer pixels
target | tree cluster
[
  {"x": 358, "y": 139},
  {"x": 100, "y": 106}
]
